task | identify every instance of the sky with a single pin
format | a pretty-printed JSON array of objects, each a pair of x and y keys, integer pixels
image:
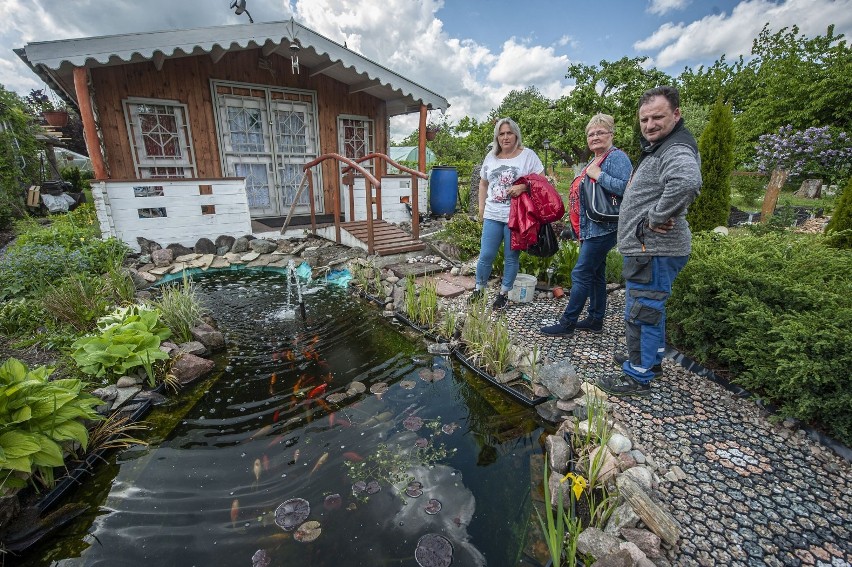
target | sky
[{"x": 472, "y": 52}]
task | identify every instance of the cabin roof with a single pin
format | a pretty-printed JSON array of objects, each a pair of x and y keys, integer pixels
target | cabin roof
[{"x": 54, "y": 61}]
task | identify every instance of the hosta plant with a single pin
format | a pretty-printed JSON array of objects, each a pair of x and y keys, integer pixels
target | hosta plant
[
  {"x": 129, "y": 337},
  {"x": 40, "y": 422}
]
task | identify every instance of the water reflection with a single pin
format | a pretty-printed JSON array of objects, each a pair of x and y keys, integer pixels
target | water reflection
[{"x": 287, "y": 420}]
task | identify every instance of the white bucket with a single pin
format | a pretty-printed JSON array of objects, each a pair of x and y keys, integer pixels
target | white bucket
[{"x": 524, "y": 289}]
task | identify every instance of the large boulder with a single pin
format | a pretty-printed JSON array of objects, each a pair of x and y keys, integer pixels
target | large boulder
[
  {"x": 205, "y": 246},
  {"x": 208, "y": 336},
  {"x": 262, "y": 246},
  {"x": 224, "y": 243},
  {"x": 560, "y": 378},
  {"x": 179, "y": 249},
  {"x": 162, "y": 257},
  {"x": 188, "y": 368}
]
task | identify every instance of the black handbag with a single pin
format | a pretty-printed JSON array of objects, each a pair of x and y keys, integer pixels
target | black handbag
[
  {"x": 547, "y": 245},
  {"x": 601, "y": 205}
]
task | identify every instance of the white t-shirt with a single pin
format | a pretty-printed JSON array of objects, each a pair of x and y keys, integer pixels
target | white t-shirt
[{"x": 501, "y": 174}]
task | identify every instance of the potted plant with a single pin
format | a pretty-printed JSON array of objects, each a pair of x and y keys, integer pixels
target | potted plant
[
  {"x": 431, "y": 132},
  {"x": 55, "y": 115}
]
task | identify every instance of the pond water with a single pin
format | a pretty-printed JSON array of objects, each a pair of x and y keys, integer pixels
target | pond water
[{"x": 263, "y": 432}]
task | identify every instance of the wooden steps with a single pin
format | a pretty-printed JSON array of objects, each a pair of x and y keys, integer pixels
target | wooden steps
[{"x": 387, "y": 238}]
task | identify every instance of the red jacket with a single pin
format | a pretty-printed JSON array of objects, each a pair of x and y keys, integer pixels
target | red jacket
[{"x": 541, "y": 204}]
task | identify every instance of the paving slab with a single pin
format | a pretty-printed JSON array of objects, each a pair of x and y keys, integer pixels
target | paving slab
[
  {"x": 443, "y": 288},
  {"x": 466, "y": 282}
]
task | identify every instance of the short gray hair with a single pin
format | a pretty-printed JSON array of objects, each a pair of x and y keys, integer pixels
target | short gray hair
[
  {"x": 515, "y": 130},
  {"x": 601, "y": 119}
]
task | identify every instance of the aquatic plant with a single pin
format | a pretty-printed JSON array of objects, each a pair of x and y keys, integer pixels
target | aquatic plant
[
  {"x": 411, "y": 303},
  {"x": 598, "y": 498},
  {"x": 391, "y": 464},
  {"x": 553, "y": 524},
  {"x": 180, "y": 308},
  {"x": 428, "y": 303}
]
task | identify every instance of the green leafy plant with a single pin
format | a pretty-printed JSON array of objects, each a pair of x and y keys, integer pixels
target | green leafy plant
[
  {"x": 464, "y": 233},
  {"x": 21, "y": 317},
  {"x": 839, "y": 227},
  {"x": 180, "y": 308},
  {"x": 411, "y": 302},
  {"x": 40, "y": 420},
  {"x": 129, "y": 337},
  {"x": 748, "y": 187}
]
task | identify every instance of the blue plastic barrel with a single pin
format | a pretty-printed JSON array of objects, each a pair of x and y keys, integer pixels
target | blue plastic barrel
[{"x": 443, "y": 190}]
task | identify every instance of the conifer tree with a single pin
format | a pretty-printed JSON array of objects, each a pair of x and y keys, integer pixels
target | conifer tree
[
  {"x": 839, "y": 227},
  {"x": 716, "y": 147}
]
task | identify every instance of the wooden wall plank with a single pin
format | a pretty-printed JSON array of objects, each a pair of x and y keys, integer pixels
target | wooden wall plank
[{"x": 186, "y": 80}]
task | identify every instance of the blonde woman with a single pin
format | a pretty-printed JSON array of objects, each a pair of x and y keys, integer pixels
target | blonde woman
[{"x": 507, "y": 161}]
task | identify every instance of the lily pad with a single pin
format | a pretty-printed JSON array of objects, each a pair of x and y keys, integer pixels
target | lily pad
[
  {"x": 449, "y": 428},
  {"x": 291, "y": 513},
  {"x": 379, "y": 388},
  {"x": 421, "y": 443},
  {"x": 333, "y": 502},
  {"x": 407, "y": 384},
  {"x": 309, "y": 531},
  {"x": 414, "y": 489},
  {"x": 434, "y": 550},
  {"x": 336, "y": 397},
  {"x": 357, "y": 387},
  {"x": 413, "y": 423},
  {"x": 372, "y": 487},
  {"x": 261, "y": 558},
  {"x": 359, "y": 487},
  {"x": 433, "y": 506},
  {"x": 428, "y": 375}
]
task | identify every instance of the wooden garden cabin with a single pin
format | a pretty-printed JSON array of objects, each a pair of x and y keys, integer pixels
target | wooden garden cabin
[{"x": 208, "y": 131}]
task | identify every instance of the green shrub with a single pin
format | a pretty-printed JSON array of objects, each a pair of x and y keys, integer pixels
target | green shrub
[
  {"x": 40, "y": 420},
  {"x": 464, "y": 233},
  {"x": 839, "y": 227},
  {"x": 614, "y": 263},
  {"x": 776, "y": 310}
]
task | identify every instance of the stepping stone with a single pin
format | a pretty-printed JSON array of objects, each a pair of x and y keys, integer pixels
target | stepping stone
[
  {"x": 467, "y": 282},
  {"x": 443, "y": 287},
  {"x": 417, "y": 269}
]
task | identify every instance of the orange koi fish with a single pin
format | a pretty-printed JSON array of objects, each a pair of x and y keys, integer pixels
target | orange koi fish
[
  {"x": 276, "y": 415},
  {"x": 262, "y": 432},
  {"x": 265, "y": 460},
  {"x": 324, "y": 405},
  {"x": 317, "y": 391},
  {"x": 353, "y": 456},
  {"x": 320, "y": 462},
  {"x": 235, "y": 512}
]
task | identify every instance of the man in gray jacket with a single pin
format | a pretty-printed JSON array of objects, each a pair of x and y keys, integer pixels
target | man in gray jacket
[{"x": 654, "y": 236}]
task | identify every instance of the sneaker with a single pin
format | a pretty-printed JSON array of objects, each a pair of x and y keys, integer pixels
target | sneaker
[
  {"x": 560, "y": 329},
  {"x": 623, "y": 385},
  {"x": 589, "y": 324},
  {"x": 477, "y": 295},
  {"x": 501, "y": 302},
  {"x": 620, "y": 359}
]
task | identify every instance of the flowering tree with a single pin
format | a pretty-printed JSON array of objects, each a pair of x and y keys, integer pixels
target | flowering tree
[{"x": 816, "y": 151}]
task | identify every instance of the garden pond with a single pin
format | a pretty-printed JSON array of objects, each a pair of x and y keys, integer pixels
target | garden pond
[{"x": 333, "y": 439}]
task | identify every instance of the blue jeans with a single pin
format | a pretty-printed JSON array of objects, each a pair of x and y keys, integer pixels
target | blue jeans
[
  {"x": 645, "y": 311},
  {"x": 588, "y": 279},
  {"x": 493, "y": 233}
]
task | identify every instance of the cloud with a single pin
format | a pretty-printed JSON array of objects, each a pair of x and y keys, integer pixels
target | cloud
[
  {"x": 714, "y": 35},
  {"x": 661, "y": 7}
]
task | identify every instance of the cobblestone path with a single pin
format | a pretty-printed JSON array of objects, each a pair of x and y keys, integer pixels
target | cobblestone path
[{"x": 753, "y": 492}]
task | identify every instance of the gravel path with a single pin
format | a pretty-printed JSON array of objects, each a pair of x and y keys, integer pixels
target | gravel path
[{"x": 750, "y": 491}]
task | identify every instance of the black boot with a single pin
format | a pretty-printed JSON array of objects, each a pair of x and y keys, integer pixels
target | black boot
[{"x": 589, "y": 324}]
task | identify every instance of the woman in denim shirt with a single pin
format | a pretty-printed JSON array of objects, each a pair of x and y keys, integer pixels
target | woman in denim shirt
[{"x": 611, "y": 168}]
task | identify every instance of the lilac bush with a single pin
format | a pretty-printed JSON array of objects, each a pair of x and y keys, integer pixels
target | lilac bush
[{"x": 817, "y": 151}]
